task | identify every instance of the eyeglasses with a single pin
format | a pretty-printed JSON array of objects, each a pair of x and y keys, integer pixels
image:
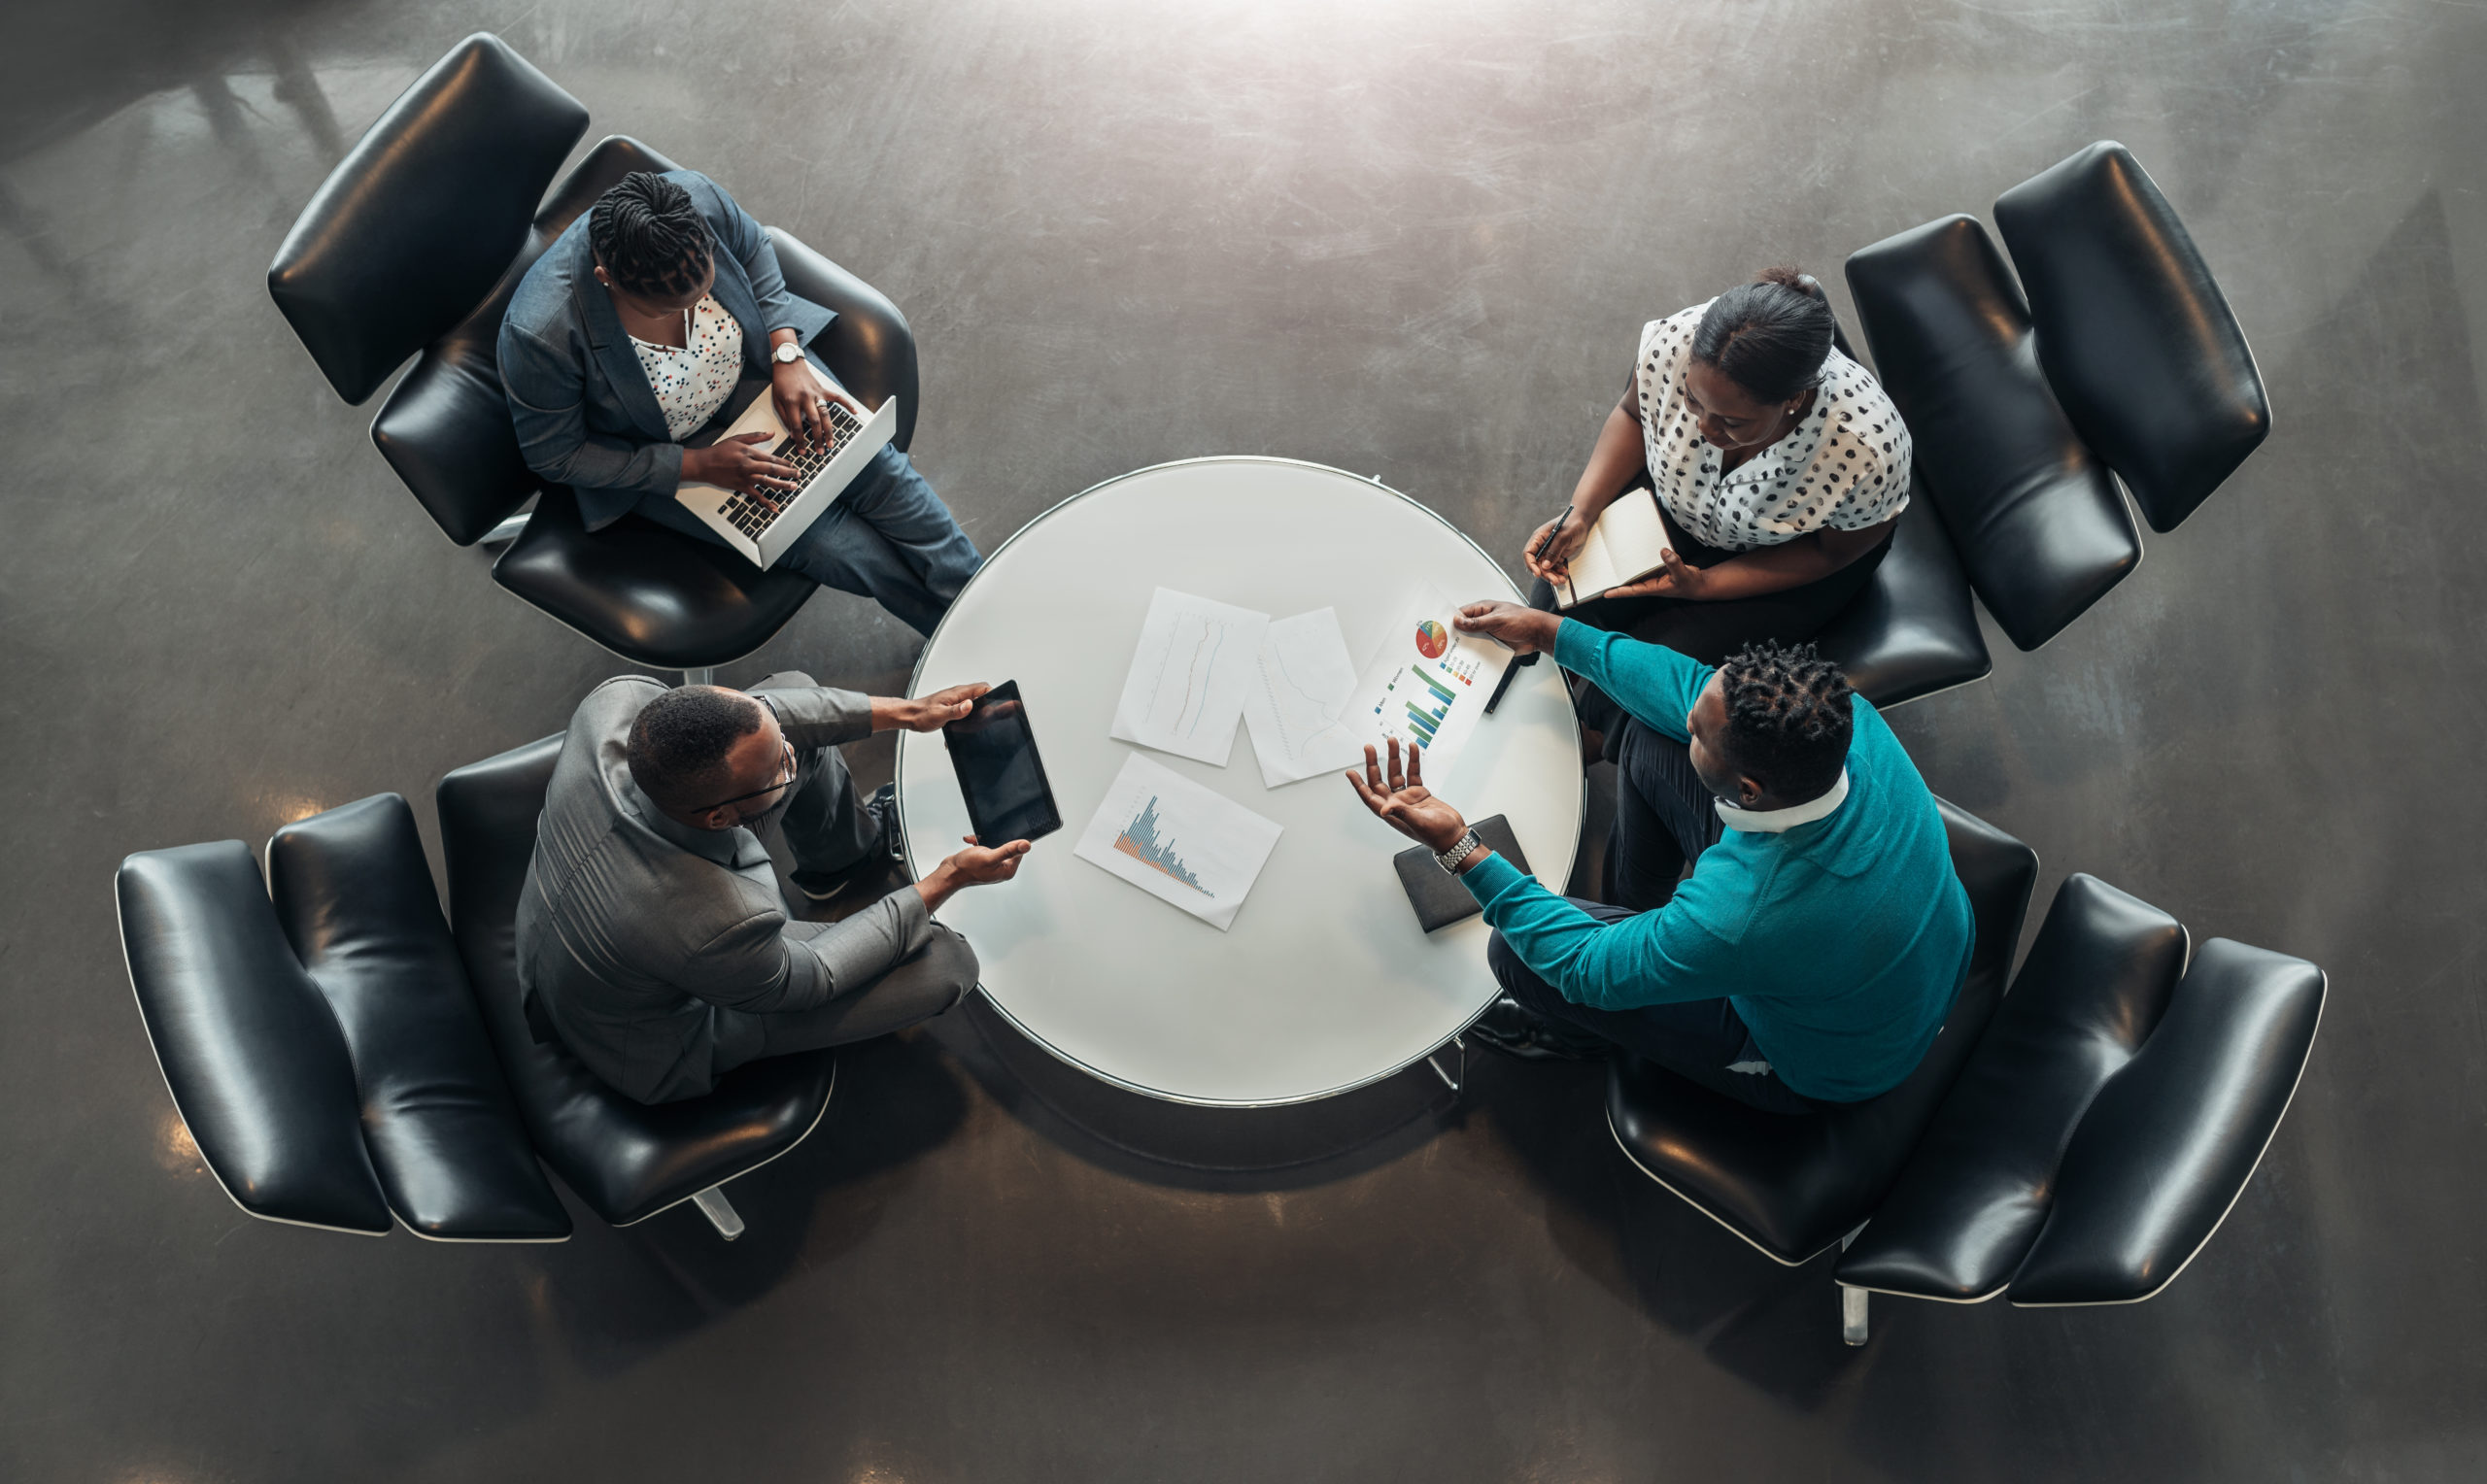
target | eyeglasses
[{"x": 786, "y": 780}]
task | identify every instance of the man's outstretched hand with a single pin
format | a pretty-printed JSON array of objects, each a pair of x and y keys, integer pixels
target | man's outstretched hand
[
  {"x": 1525, "y": 630},
  {"x": 977, "y": 865},
  {"x": 1401, "y": 800},
  {"x": 929, "y": 713}
]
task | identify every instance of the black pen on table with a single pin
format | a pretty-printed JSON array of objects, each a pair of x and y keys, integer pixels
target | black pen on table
[{"x": 1510, "y": 670}]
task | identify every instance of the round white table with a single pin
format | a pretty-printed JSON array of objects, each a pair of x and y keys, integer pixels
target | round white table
[{"x": 1324, "y": 983}]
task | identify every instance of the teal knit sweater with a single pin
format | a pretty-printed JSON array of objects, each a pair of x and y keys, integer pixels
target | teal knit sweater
[{"x": 1842, "y": 942}]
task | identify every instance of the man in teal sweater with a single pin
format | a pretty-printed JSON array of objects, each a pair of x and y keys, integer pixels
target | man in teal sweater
[{"x": 1818, "y": 945}]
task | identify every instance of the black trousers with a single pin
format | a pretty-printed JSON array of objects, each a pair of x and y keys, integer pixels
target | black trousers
[{"x": 1663, "y": 817}]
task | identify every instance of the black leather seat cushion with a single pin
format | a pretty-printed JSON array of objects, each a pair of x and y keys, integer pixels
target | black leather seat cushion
[
  {"x": 2032, "y": 513},
  {"x": 422, "y": 216},
  {"x": 1969, "y": 1205},
  {"x": 1912, "y": 631},
  {"x": 1793, "y": 1186},
  {"x": 651, "y": 596},
  {"x": 627, "y": 1161},
  {"x": 2133, "y": 332},
  {"x": 354, "y": 897},
  {"x": 253, "y": 1059},
  {"x": 2174, "y": 1136}
]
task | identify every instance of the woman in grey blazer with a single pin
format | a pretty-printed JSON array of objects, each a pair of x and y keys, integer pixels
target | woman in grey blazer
[{"x": 628, "y": 335}]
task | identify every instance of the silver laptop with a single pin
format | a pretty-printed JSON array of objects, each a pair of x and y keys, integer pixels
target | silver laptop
[{"x": 822, "y": 471}]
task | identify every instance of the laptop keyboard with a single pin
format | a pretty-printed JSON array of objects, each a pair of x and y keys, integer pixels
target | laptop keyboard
[{"x": 753, "y": 517}]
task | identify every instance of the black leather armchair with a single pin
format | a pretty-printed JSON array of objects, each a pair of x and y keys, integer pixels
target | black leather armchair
[
  {"x": 341, "y": 1057},
  {"x": 1794, "y": 1185},
  {"x": 2133, "y": 332},
  {"x": 2110, "y": 1118},
  {"x": 627, "y": 1161},
  {"x": 323, "y": 1048},
  {"x": 415, "y": 243},
  {"x": 2034, "y": 515}
]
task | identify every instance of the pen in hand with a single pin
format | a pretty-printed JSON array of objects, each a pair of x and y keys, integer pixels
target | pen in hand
[{"x": 1551, "y": 531}]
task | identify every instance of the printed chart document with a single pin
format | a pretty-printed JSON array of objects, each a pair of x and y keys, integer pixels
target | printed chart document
[
  {"x": 1624, "y": 547},
  {"x": 1299, "y": 708},
  {"x": 1178, "y": 841},
  {"x": 1196, "y": 663},
  {"x": 1429, "y": 684}
]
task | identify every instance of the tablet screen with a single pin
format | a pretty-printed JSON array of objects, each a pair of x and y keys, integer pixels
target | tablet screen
[{"x": 995, "y": 754}]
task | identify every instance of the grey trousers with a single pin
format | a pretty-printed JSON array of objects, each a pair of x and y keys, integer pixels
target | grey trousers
[{"x": 824, "y": 829}]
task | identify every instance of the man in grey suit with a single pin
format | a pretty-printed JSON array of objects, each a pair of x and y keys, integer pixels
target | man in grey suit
[{"x": 652, "y": 932}]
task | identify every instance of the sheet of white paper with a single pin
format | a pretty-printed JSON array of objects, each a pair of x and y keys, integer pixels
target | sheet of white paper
[
  {"x": 1297, "y": 710},
  {"x": 1428, "y": 684},
  {"x": 1178, "y": 841},
  {"x": 1195, "y": 664}
]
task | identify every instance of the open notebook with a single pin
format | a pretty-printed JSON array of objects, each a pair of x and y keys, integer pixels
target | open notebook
[{"x": 1623, "y": 547}]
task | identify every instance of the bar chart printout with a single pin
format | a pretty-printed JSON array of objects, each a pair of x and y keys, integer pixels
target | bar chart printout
[
  {"x": 1429, "y": 685},
  {"x": 1178, "y": 840}
]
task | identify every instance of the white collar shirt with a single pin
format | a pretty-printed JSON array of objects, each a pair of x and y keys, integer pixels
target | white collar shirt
[{"x": 1844, "y": 466}]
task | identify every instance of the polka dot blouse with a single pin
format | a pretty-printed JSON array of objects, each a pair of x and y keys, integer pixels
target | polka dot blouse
[
  {"x": 693, "y": 381},
  {"x": 1846, "y": 465}
]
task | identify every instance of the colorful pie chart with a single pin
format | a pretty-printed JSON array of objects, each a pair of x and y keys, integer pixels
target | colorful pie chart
[{"x": 1432, "y": 639}]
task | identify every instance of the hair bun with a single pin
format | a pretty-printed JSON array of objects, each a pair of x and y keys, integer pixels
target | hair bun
[{"x": 1785, "y": 277}]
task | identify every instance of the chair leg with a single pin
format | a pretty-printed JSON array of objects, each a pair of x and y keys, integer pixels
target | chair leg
[
  {"x": 720, "y": 1211},
  {"x": 706, "y": 675},
  {"x": 1852, "y": 1300}
]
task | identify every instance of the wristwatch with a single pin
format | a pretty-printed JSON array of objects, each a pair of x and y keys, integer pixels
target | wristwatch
[
  {"x": 787, "y": 354},
  {"x": 1449, "y": 860}
]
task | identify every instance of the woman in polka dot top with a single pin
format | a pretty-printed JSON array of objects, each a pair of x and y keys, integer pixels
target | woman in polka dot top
[{"x": 1778, "y": 464}]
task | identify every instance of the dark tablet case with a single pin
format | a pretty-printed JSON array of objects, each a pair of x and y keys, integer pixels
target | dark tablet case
[{"x": 1440, "y": 897}]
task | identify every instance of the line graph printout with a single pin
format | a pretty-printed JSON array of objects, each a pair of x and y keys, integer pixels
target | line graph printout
[
  {"x": 1298, "y": 709},
  {"x": 1178, "y": 841},
  {"x": 1196, "y": 663},
  {"x": 1428, "y": 685}
]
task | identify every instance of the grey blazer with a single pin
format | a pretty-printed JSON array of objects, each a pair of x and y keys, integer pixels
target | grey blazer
[
  {"x": 585, "y": 414},
  {"x": 652, "y": 946}
]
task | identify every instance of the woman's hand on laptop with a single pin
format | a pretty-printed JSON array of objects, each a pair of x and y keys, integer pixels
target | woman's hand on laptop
[
  {"x": 803, "y": 398},
  {"x": 742, "y": 463}
]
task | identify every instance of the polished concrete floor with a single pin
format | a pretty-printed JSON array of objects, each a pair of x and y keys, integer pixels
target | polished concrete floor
[{"x": 1413, "y": 238}]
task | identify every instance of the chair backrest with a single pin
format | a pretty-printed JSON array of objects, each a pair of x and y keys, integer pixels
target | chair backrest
[
  {"x": 1976, "y": 1192},
  {"x": 2033, "y": 513},
  {"x": 446, "y": 428},
  {"x": 2134, "y": 335},
  {"x": 353, "y": 895},
  {"x": 1869, "y": 1141},
  {"x": 248, "y": 1048},
  {"x": 420, "y": 218},
  {"x": 625, "y": 1160},
  {"x": 1912, "y": 631},
  {"x": 2169, "y": 1144}
]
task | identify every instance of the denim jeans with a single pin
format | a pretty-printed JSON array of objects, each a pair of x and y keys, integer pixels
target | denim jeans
[{"x": 888, "y": 538}]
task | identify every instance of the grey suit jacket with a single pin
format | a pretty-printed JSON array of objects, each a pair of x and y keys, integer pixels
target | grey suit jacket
[{"x": 652, "y": 946}]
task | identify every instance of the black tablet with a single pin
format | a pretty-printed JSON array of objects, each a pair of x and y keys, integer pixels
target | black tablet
[{"x": 995, "y": 754}]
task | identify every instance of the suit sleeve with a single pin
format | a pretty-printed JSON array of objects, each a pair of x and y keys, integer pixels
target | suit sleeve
[
  {"x": 554, "y": 438},
  {"x": 1653, "y": 684},
  {"x": 766, "y": 965},
  {"x": 820, "y": 716},
  {"x": 742, "y": 235}
]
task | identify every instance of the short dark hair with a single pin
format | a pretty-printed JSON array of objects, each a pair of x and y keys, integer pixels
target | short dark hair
[
  {"x": 679, "y": 743},
  {"x": 1770, "y": 336},
  {"x": 1788, "y": 718},
  {"x": 649, "y": 236}
]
